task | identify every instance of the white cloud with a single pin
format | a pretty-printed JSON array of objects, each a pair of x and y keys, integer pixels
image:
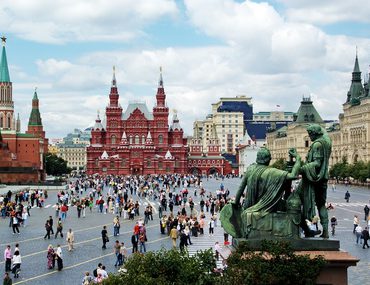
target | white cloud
[
  {"x": 62, "y": 21},
  {"x": 327, "y": 11},
  {"x": 263, "y": 55}
]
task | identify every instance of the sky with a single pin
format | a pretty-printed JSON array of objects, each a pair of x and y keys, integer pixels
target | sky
[{"x": 273, "y": 51}]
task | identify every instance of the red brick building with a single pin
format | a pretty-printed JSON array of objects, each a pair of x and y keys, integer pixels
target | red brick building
[
  {"x": 21, "y": 155},
  {"x": 136, "y": 141}
]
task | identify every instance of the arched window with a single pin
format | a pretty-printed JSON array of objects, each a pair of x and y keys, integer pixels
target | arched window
[
  {"x": 1, "y": 120},
  {"x": 130, "y": 139},
  {"x": 160, "y": 139},
  {"x": 9, "y": 122},
  {"x": 137, "y": 139},
  {"x": 113, "y": 139},
  {"x": 142, "y": 139}
]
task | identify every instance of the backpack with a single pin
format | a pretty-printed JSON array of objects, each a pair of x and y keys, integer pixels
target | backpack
[{"x": 95, "y": 272}]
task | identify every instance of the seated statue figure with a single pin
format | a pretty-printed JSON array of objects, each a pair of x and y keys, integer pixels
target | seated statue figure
[{"x": 269, "y": 209}]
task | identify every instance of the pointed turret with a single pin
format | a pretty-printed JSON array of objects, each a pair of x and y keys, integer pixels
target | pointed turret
[
  {"x": 168, "y": 155},
  {"x": 175, "y": 122},
  {"x": 114, "y": 82},
  {"x": 98, "y": 125},
  {"x": 113, "y": 95},
  {"x": 35, "y": 117},
  {"x": 161, "y": 96},
  {"x": 18, "y": 124},
  {"x": 4, "y": 71},
  {"x": 149, "y": 140},
  {"x": 356, "y": 90},
  {"x": 124, "y": 140}
]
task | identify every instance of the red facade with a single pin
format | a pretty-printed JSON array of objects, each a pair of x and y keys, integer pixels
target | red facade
[{"x": 136, "y": 141}]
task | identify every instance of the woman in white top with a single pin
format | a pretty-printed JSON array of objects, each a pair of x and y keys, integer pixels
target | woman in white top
[{"x": 17, "y": 261}]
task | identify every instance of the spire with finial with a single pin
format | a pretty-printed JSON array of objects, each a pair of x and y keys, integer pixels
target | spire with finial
[
  {"x": 114, "y": 82},
  {"x": 356, "y": 90},
  {"x": 4, "y": 70},
  {"x": 160, "y": 82},
  {"x": 35, "y": 117}
]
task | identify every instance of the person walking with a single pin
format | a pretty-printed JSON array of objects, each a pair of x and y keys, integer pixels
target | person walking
[
  {"x": 365, "y": 236},
  {"x": 59, "y": 257},
  {"x": 51, "y": 222},
  {"x": 117, "y": 252},
  {"x": 359, "y": 234},
  {"x": 173, "y": 236},
  {"x": 104, "y": 236},
  {"x": 15, "y": 224},
  {"x": 134, "y": 241},
  {"x": 123, "y": 254},
  {"x": 366, "y": 211},
  {"x": 59, "y": 228},
  {"x": 347, "y": 196},
  {"x": 116, "y": 226},
  {"x": 211, "y": 226},
  {"x": 17, "y": 261},
  {"x": 356, "y": 222},
  {"x": 50, "y": 257},
  {"x": 48, "y": 229},
  {"x": 142, "y": 240},
  {"x": 8, "y": 258},
  {"x": 7, "y": 280},
  {"x": 70, "y": 239}
]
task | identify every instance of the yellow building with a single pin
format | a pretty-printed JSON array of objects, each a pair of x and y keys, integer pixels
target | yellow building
[
  {"x": 294, "y": 134},
  {"x": 74, "y": 154},
  {"x": 53, "y": 149},
  {"x": 351, "y": 136}
]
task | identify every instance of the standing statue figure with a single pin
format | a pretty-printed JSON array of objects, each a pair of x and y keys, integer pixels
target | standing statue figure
[
  {"x": 313, "y": 187},
  {"x": 265, "y": 186}
]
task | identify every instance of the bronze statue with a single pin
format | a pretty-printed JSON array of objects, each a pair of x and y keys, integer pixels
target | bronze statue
[
  {"x": 264, "y": 210},
  {"x": 270, "y": 209},
  {"x": 313, "y": 187}
]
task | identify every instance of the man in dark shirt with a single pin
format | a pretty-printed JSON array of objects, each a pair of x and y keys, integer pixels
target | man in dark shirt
[
  {"x": 104, "y": 236},
  {"x": 365, "y": 236}
]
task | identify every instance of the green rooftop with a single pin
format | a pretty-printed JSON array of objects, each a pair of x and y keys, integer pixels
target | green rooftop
[{"x": 4, "y": 71}]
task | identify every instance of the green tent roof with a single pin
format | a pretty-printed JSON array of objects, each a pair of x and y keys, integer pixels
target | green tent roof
[
  {"x": 4, "y": 71},
  {"x": 307, "y": 113}
]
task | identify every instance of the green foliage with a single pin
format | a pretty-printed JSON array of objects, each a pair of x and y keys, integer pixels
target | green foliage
[
  {"x": 167, "y": 268},
  {"x": 359, "y": 171},
  {"x": 276, "y": 263},
  {"x": 55, "y": 165},
  {"x": 280, "y": 164}
]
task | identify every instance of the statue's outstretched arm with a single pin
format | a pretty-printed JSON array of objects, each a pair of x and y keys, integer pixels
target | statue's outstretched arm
[
  {"x": 297, "y": 165},
  {"x": 241, "y": 189}
]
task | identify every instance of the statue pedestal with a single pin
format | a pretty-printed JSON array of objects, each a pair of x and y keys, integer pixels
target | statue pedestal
[
  {"x": 296, "y": 244},
  {"x": 335, "y": 271}
]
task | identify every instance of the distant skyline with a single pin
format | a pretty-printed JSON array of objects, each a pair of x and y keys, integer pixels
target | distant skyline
[{"x": 273, "y": 51}]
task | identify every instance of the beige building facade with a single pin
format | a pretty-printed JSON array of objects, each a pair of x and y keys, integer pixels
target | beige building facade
[
  {"x": 350, "y": 135},
  {"x": 294, "y": 134}
]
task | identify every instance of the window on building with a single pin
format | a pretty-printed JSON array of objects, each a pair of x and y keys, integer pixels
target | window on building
[
  {"x": 9, "y": 122},
  {"x": 112, "y": 164},
  {"x": 142, "y": 139},
  {"x": 113, "y": 139},
  {"x": 160, "y": 139},
  {"x": 130, "y": 139},
  {"x": 137, "y": 139},
  {"x": 148, "y": 162},
  {"x": 160, "y": 164},
  {"x": 306, "y": 143},
  {"x": 1, "y": 120}
]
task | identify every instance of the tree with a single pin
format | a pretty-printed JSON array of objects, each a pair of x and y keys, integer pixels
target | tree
[
  {"x": 167, "y": 268},
  {"x": 55, "y": 165},
  {"x": 275, "y": 263},
  {"x": 280, "y": 164}
]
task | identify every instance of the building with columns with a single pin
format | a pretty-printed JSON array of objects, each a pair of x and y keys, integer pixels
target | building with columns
[
  {"x": 136, "y": 141},
  {"x": 21, "y": 154}
]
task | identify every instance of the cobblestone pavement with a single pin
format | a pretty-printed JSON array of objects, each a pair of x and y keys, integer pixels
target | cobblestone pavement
[{"x": 88, "y": 252}]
